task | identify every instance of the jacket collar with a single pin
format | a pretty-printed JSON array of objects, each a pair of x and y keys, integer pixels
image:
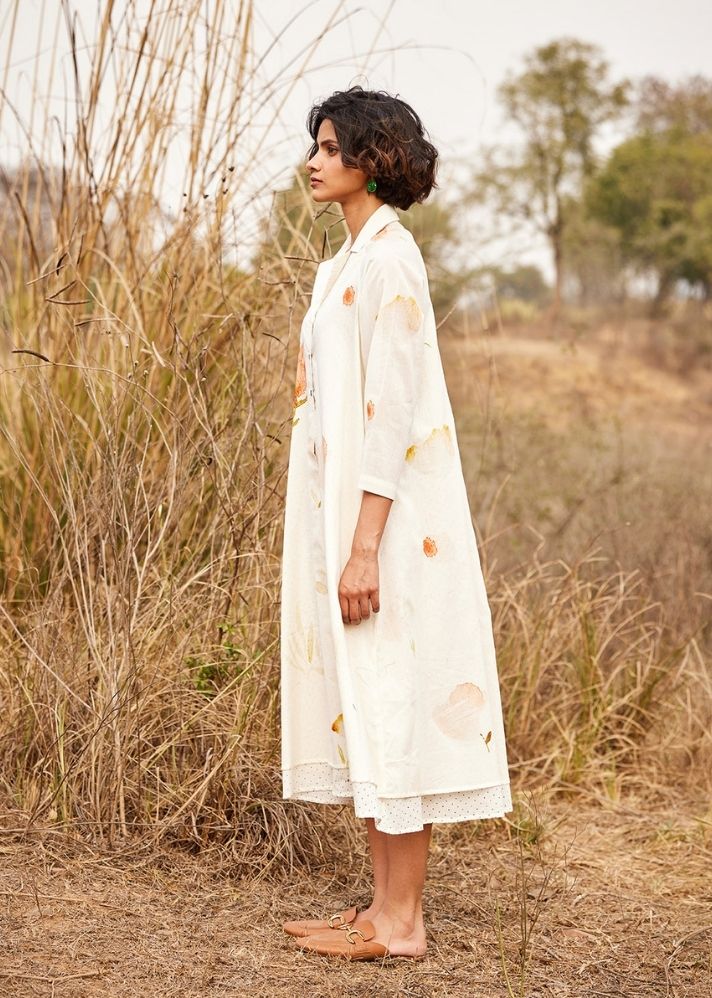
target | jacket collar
[{"x": 384, "y": 214}]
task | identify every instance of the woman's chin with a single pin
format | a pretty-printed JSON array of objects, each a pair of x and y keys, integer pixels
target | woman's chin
[{"x": 319, "y": 195}]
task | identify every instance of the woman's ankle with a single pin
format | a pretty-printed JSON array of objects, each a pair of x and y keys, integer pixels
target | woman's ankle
[
  {"x": 407, "y": 919},
  {"x": 373, "y": 909}
]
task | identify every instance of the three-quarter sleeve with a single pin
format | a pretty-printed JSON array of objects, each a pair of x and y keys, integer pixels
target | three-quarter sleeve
[{"x": 391, "y": 321}]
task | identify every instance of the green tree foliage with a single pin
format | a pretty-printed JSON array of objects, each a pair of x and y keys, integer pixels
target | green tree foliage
[
  {"x": 656, "y": 188},
  {"x": 559, "y": 102},
  {"x": 594, "y": 267},
  {"x": 687, "y": 105},
  {"x": 523, "y": 283}
]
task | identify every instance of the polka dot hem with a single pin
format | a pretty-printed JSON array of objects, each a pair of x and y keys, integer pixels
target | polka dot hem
[{"x": 321, "y": 783}]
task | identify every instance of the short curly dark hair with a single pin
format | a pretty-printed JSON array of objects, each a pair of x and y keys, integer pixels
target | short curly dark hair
[{"x": 383, "y": 136}]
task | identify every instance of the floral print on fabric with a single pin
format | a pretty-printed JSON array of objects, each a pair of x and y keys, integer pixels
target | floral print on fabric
[{"x": 402, "y": 712}]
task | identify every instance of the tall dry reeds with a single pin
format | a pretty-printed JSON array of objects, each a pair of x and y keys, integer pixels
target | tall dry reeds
[
  {"x": 145, "y": 409},
  {"x": 142, "y": 438}
]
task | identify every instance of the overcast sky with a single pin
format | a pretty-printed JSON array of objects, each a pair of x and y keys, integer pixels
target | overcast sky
[{"x": 445, "y": 57}]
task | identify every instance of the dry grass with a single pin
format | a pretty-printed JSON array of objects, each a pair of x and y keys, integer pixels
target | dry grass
[
  {"x": 611, "y": 900},
  {"x": 144, "y": 421}
]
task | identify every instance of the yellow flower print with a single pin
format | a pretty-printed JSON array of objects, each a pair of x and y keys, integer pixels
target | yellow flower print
[
  {"x": 338, "y": 725},
  {"x": 430, "y": 547},
  {"x": 439, "y": 435}
]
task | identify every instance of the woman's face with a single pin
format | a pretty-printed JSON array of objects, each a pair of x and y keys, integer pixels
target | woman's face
[{"x": 330, "y": 179}]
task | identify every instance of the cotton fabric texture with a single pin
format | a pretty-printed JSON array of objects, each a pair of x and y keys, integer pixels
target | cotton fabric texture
[{"x": 401, "y": 713}]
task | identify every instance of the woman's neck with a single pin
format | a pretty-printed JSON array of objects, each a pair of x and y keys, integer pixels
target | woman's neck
[{"x": 357, "y": 212}]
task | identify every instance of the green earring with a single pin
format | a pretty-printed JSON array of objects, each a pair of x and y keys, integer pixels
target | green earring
[{"x": 371, "y": 186}]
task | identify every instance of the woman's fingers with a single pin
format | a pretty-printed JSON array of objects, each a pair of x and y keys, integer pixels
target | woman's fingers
[
  {"x": 358, "y": 589},
  {"x": 354, "y": 609}
]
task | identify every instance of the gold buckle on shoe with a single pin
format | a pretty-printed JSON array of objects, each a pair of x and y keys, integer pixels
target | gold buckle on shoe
[
  {"x": 354, "y": 932},
  {"x": 331, "y": 918}
]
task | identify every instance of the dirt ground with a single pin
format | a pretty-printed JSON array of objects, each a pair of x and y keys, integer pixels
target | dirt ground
[{"x": 615, "y": 900}]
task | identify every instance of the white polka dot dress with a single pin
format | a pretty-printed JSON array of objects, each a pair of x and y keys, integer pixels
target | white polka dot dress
[{"x": 400, "y": 714}]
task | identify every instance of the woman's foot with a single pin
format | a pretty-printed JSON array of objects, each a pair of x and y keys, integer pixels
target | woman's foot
[
  {"x": 399, "y": 935},
  {"x": 361, "y": 943},
  {"x": 402, "y": 935}
]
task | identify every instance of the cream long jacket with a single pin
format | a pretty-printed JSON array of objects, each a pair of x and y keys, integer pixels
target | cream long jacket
[{"x": 406, "y": 703}]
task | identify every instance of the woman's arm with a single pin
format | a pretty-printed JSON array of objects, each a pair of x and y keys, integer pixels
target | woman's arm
[
  {"x": 393, "y": 300},
  {"x": 359, "y": 586}
]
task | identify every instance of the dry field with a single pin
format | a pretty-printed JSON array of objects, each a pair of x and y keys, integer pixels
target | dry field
[
  {"x": 146, "y": 370},
  {"x": 613, "y": 900},
  {"x": 596, "y": 885}
]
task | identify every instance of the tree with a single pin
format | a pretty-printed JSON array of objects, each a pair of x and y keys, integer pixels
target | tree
[
  {"x": 594, "y": 266},
  {"x": 523, "y": 283},
  {"x": 559, "y": 101},
  {"x": 656, "y": 190},
  {"x": 687, "y": 105}
]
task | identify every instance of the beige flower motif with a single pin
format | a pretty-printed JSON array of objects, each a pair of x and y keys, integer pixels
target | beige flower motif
[
  {"x": 384, "y": 231},
  {"x": 457, "y": 716},
  {"x": 407, "y": 310}
]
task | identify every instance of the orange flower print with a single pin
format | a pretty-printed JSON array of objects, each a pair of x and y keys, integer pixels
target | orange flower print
[
  {"x": 338, "y": 725},
  {"x": 349, "y": 296},
  {"x": 300, "y": 387},
  {"x": 430, "y": 547},
  {"x": 370, "y": 409}
]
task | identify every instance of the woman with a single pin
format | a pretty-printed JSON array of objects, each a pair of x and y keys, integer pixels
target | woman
[{"x": 390, "y": 696}]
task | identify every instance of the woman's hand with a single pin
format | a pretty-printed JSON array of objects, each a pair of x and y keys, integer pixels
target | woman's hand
[{"x": 358, "y": 587}]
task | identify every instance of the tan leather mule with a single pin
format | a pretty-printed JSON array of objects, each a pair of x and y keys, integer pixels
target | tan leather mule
[
  {"x": 354, "y": 943},
  {"x": 339, "y": 920}
]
